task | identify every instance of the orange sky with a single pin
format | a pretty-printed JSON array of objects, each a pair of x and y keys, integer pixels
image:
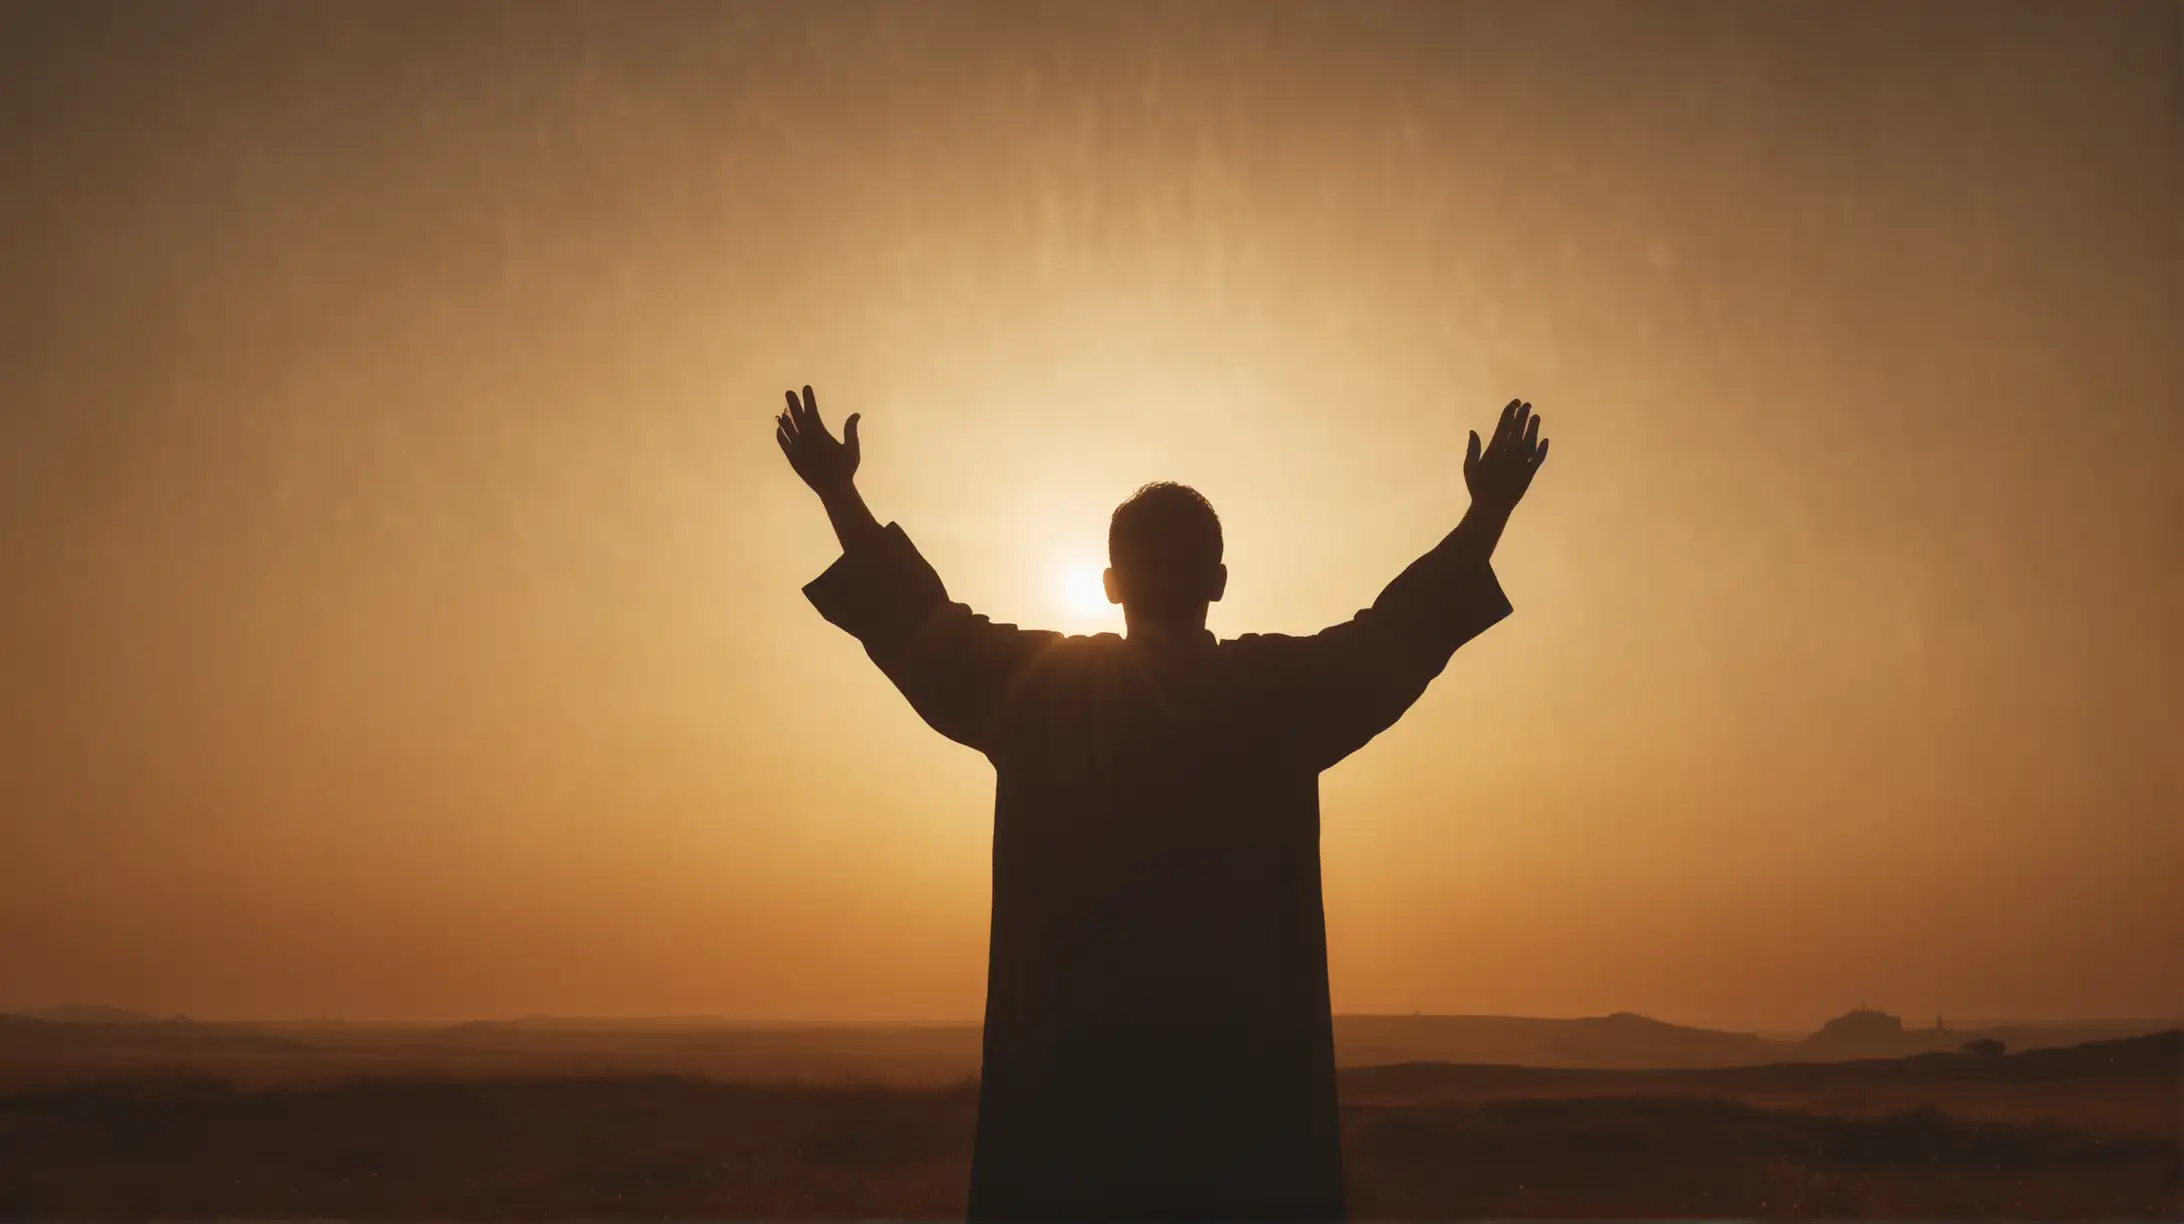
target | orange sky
[{"x": 402, "y": 613}]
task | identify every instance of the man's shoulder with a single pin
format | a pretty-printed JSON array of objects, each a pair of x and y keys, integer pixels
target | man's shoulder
[
  {"x": 1082, "y": 645},
  {"x": 1252, "y": 653},
  {"x": 1251, "y": 644},
  {"x": 1054, "y": 648}
]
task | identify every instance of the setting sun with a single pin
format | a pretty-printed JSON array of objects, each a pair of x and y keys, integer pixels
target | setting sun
[{"x": 1084, "y": 597}]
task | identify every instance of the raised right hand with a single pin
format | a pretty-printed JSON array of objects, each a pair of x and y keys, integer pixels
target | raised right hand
[{"x": 823, "y": 463}]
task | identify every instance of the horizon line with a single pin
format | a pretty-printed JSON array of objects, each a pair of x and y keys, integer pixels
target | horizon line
[{"x": 722, "y": 1019}]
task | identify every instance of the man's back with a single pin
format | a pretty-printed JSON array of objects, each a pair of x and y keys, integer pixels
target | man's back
[
  {"x": 1157, "y": 1010},
  {"x": 1158, "y": 1037}
]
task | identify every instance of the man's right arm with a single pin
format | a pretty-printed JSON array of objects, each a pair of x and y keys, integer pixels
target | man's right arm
[
  {"x": 828, "y": 467},
  {"x": 854, "y": 524},
  {"x": 954, "y": 666}
]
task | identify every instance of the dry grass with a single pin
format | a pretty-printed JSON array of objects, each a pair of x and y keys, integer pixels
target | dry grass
[
  {"x": 2018, "y": 1139},
  {"x": 482, "y": 1149},
  {"x": 1684, "y": 1156}
]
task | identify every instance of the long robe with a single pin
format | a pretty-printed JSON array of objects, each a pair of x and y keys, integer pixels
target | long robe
[{"x": 1158, "y": 1041}]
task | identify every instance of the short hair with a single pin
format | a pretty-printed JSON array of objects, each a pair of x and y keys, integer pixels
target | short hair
[{"x": 1166, "y": 539}]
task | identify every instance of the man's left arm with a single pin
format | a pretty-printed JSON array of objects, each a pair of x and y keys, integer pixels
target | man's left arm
[{"x": 1352, "y": 681}]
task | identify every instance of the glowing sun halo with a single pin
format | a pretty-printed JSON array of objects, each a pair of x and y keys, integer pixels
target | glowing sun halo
[{"x": 1083, "y": 594}]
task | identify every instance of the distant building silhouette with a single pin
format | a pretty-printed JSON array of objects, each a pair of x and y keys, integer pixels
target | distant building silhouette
[
  {"x": 1862, "y": 1023},
  {"x": 1860, "y": 1031}
]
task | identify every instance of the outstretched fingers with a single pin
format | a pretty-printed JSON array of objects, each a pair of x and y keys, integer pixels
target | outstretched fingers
[
  {"x": 1506, "y": 425},
  {"x": 811, "y": 411},
  {"x": 1513, "y": 434}
]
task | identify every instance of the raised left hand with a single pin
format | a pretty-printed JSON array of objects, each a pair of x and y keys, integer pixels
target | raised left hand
[{"x": 1498, "y": 477}]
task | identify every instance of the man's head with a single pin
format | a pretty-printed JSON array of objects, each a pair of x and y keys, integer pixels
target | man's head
[{"x": 1164, "y": 556}]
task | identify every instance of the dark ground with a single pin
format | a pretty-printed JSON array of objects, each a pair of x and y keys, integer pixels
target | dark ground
[{"x": 2090, "y": 1131}]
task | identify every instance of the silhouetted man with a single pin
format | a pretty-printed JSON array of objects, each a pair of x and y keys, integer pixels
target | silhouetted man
[{"x": 1158, "y": 1040}]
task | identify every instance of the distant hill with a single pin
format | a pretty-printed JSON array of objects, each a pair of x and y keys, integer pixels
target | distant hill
[
  {"x": 27, "y": 1037},
  {"x": 2157, "y": 1056},
  {"x": 1632, "y": 1042},
  {"x": 1624, "y": 1039},
  {"x": 1863, "y": 1033},
  {"x": 96, "y": 1013},
  {"x": 545, "y": 1023},
  {"x": 539, "y": 1023}
]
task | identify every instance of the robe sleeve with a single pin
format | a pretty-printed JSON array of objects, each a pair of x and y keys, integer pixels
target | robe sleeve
[
  {"x": 958, "y": 669},
  {"x": 1346, "y": 684}
]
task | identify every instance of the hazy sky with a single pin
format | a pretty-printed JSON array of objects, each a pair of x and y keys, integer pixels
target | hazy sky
[{"x": 401, "y": 611}]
